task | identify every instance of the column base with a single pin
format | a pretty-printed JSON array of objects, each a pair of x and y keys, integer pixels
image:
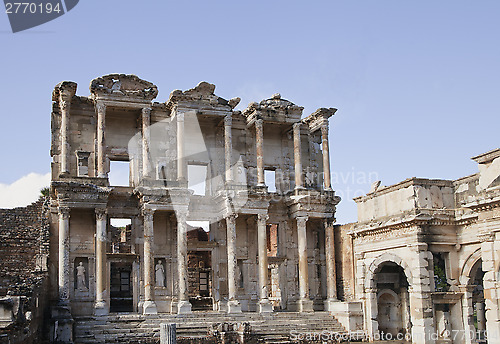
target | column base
[
  {"x": 265, "y": 306},
  {"x": 100, "y": 308},
  {"x": 329, "y": 304},
  {"x": 149, "y": 307},
  {"x": 233, "y": 306},
  {"x": 305, "y": 305},
  {"x": 183, "y": 307}
]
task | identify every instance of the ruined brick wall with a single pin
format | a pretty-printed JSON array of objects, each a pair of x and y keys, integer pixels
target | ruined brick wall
[
  {"x": 24, "y": 248},
  {"x": 344, "y": 262},
  {"x": 24, "y": 239}
]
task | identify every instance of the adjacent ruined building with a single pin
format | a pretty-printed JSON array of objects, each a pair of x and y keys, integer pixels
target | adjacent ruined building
[
  {"x": 223, "y": 222},
  {"x": 425, "y": 257}
]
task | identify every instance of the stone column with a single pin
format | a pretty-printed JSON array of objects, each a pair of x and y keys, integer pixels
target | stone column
[
  {"x": 64, "y": 105},
  {"x": 100, "y": 307},
  {"x": 228, "y": 147},
  {"x": 64, "y": 270},
  {"x": 265, "y": 305},
  {"x": 181, "y": 160},
  {"x": 183, "y": 306},
  {"x": 297, "y": 156},
  {"x": 259, "y": 146},
  {"x": 146, "y": 141},
  {"x": 331, "y": 279},
  {"x": 304, "y": 304},
  {"x": 149, "y": 306},
  {"x": 101, "y": 139},
  {"x": 233, "y": 305},
  {"x": 326, "y": 155},
  {"x": 489, "y": 266}
]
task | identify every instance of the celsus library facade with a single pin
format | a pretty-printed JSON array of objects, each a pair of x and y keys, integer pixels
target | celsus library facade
[{"x": 222, "y": 210}]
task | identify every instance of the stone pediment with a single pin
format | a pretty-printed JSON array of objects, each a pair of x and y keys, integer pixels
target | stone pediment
[
  {"x": 123, "y": 85},
  {"x": 274, "y": 109},
  {"x": 202, "y": 93}
]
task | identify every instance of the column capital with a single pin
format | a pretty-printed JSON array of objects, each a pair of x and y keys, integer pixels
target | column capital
[
  {"x": 64, "y": 212},
  {"x": 180, "y": 116},
  {"x": 181, "y": 216},
  {"x": 329, "y": 222},
  {"x": 100, "y": 107},
  {"x": 262, "y": 217},
  {"x": 100, "y": 214},
  {"x": 146, "y": 111},
  {"x": 232, "y": 216},
  {"x": 297, "y": 125},
  {"x": 148, "y": 213},
  {"x": 259, "y": 123},
  {"x": 228, "y": 120},
  {"x": 64, "y": 104},
  {"x": 302, "y": 219}
]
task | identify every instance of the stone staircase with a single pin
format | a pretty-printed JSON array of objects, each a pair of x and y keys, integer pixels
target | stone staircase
[{"x": 135, "y": 328}]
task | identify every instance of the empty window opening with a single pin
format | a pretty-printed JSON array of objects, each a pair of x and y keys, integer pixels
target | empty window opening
[
  {"x": 197, "y": 178},
  {"x": 120, "y": 235},
  {"x": 119, "y": 173},
  {"x": 272, "y": 240},
  {"x": 270, "y": 180},
  {"x": 83, "y": 163}
]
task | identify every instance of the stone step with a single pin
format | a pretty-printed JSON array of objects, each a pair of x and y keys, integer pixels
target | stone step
[{"x": 136, "y": 328}]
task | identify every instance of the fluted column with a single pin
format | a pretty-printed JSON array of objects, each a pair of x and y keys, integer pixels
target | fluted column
[
  {"x": 297, "y": 155},
  {"x": 331, "y": 278},
  {"x": 100, "y": 307},
  {"x": 64, "y": 271},
  {"x": 233, "y": 305},
  {"x": 146, "y": 141},
  {"x": 101, "y": 139},
  {"x": 149, "y": 306},
  {"x": 264, "y": 305},
  {"x": 326, "y": 155},
  {"x": 183, "y": 306},
  {"x": 181, "y": 160},
  {"x": 64, "y": 105},
  {"x": 228, "y": 147},
  {"x": 259, "y": 145},
  {"x": 304, "y": 304}
]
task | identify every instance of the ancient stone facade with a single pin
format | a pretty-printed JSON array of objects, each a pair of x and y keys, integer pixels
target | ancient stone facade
[
  {"x": 426, "y": 257},
  {"x": 265, "y": 173},
  {"x": 233, "y": 211}
]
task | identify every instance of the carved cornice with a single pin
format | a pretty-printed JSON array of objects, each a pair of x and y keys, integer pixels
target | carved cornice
[
  {"x": 319, "y": 119},
  {"x": 64, "y": 90},
  {"x": 274, "y": 109},
  {"x": 123, "y": 85},
  {"x": 202, "y": 94},
  {"x": 487, "y": 157},
  {"x": 404, "y": 184}
]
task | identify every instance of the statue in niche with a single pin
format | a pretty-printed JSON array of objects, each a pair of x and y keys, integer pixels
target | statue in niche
[
  {"x": 80, "y": 277},
  {"x": 160, "y": 274}
]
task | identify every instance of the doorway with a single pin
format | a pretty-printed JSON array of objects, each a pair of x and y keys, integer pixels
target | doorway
[
  {"x": 121, "y": 294},
  {"x": 393, "y": 302}
]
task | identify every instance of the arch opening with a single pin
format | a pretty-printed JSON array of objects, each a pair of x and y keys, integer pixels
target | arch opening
[{"x": 393, "y": 301}]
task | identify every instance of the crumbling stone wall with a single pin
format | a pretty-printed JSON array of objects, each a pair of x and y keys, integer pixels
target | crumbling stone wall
[
  {"x": 344, "y": 262},
  {"x": 24, "y": 248}
]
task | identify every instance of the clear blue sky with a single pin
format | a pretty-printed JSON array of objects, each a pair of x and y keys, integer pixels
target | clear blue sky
[{"x": 417, "y": 83}]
